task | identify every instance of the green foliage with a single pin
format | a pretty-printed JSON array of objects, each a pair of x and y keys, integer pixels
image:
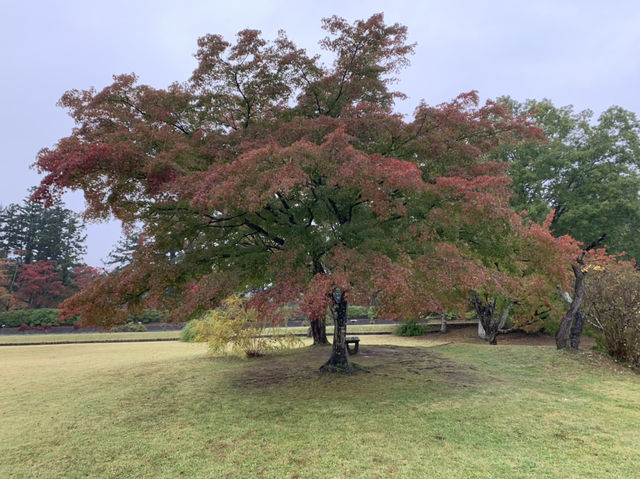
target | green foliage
[
  {"x": 148, "y": 316},
  {"x": 33, "y": 317},
  {"x": 588, "y": 172},
  {"x": 232, "y": 328},
  {"x": 43, "y": 316},
  {"x": 357, "y": 312},
  {"x": 551, "y": 323},
  {"x": 410, "y": 328},
  {"x": 189, "y": 334},
  {"x": 122, "y": 253},
  {"x": 129, "y": 328}
]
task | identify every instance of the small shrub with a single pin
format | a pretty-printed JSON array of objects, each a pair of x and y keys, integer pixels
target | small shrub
[
  {"x": 357, "y": 312},
  {"x": 188, "y": 334},
  {"x": 129, "y": 328},
  {"x": 410, "y": 328},
  {"x": 232, "y": 328},
  {"x": 372, "y": 314},
  {"x": 551, "y": 325},
  {"x": 612, "y": 296}
]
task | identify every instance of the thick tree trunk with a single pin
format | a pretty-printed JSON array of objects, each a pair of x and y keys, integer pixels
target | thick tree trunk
[
  {"x": 338, "y": 362},
  {"x": 319, "y": 331},
  {"x": 578, "y": 321},
  {"x": 564, "y": 332},
  {"x": 490, "y": 321},
  {"x": 485, "y": 312},
  {"x": 576, "y": 330}
]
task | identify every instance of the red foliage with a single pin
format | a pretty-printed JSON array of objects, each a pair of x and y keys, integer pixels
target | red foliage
[
  {"x": 7, "y": 299},
  {"x": 271, "y": 173},
  {"x": 39, "y": 285},
  {"x": 83, "y": 276}
]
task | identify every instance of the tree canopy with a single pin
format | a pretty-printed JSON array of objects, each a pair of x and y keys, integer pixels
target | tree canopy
[
  {"x": 40, "y": 251},
  {"x": 29, "y": 232},
  {"x": 587, "y": 172},
  {"x": 271, "y": 173}
]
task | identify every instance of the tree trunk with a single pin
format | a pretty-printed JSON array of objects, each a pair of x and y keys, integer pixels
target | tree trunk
[
  {"x": 578, "y": 321},
  {"x": 490, "y": 322},
  {"x": 318, "y": 326},
  {"x": 338, "y": 362},
  {"x": 319, "y": 331},
  {"x": 485, "y": 312},
  {"x": 576, "y": 330},
  {"x": 566, "y": 331},
  {"x": 562, "y": 336},
  {"x": 443, "y": 322}
]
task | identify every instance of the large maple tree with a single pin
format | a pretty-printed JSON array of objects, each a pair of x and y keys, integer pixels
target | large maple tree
[{"x": 269, "y": 172}]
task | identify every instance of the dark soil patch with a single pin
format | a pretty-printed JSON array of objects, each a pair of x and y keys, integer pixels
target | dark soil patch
[
  {"x": 386, "y": 361},
  {"x": 266, "y": 372},
  {"x": 398, "y": 362}
]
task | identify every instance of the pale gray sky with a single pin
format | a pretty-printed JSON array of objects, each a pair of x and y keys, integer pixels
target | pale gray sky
[{"x": 580, "y": 52}]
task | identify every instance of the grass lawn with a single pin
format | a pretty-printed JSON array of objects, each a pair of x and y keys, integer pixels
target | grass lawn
[
  {"x": 31, "y": 338},
  {"x": 422, "y": 409}
]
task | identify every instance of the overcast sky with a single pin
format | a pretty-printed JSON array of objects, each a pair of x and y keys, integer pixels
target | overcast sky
[{"x": 579, "y": 52}]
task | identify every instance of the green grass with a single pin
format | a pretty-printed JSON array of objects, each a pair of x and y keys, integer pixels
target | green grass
[
  {"x": 422, "y": 409},
  {"x": 30, "y": 338}
]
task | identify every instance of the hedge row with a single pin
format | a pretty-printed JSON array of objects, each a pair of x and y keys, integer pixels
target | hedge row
[
  {"x": 149, "y": 316},
  {"x": 48, "y": 316},
  {"x": 354, "y": 312},
  {"x": 32, "y": 317}
]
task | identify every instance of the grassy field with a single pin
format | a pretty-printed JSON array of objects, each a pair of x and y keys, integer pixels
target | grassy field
[
  {"x": 422, "y": 408},
  {"x": 31, "y": 338}
]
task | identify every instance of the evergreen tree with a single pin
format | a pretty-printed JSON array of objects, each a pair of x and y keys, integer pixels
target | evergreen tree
[
  {"x": 122, "y": 254},
  {"x": 29, "y": 232}
]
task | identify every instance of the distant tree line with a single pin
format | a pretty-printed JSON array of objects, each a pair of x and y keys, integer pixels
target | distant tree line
[{"x": 41, "y": 253}]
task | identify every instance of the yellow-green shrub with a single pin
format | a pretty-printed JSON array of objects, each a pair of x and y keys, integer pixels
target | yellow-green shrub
[{"x": 232, "y": 328}]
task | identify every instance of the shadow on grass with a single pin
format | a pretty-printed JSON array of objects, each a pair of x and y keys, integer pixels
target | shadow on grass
[{"x": 389, "y": 362}]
